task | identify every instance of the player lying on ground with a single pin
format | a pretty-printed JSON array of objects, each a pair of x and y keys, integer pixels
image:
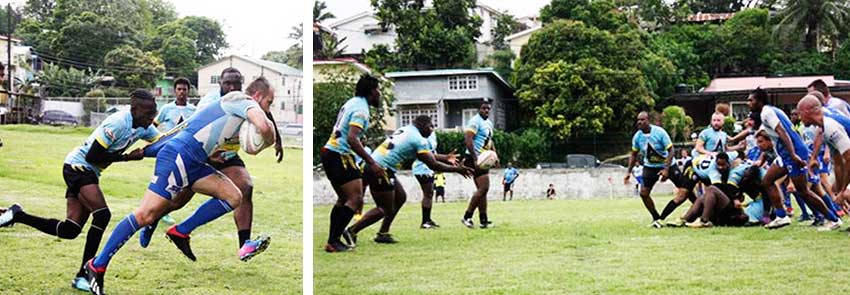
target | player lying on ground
[
  {"x": 181, "y": 163},
  {"x": 405, "y": 144},
  {"x": 716, "y": 207},
  {"x": 82, "y": 170}
]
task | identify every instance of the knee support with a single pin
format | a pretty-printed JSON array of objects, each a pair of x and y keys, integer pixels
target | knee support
[
  {"x": 100, "y": 218},
  {"x": 68, "y": 229}
]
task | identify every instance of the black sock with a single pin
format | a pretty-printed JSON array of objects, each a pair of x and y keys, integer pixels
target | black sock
[
  {"x": 66, "y": 229},
  {"x": 244, "y": 235},
  {"x": 467, "y": 215},
  {"x": 482, "y": 217},
  {"x": 93, "y": 238},
  {"x": 346, "y": 214},
  {"x": 426, "y": 215},
  {"x": 335, "y": 215},
  {"x": 669, "y": 209}
]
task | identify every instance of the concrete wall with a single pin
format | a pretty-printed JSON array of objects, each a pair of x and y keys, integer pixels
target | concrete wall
[{"x": 532, "y": 184}]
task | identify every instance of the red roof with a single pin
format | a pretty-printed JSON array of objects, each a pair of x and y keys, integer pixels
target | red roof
[{"x": 750, "y": 83}]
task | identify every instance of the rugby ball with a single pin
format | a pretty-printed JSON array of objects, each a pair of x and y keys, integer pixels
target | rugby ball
[
  {"x": 250, "y": 139},
  {"x": 487, "y": 159}
]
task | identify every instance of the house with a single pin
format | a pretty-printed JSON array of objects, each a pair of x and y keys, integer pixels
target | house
[
  {"x": 452, "y": 96},
  {"x": 288, "y": 103},
  {"x": 784, "y": 92},
  {"x": 363, "y": 31},
  {"x": 519, "y": 39}
]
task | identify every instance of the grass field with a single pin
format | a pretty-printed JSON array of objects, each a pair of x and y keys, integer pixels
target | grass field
[
  {"x": 34, "y": 263},
  {"x": 579, "y": 247}
]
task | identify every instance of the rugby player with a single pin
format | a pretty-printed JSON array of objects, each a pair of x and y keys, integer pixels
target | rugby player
[
  {"x": 478, "y": 137},
  {"x": 654, "y": 144},
  {"x": 791, "y": 161},
  {"x": 338, "y": 158},
  {"x": 181, "y": 163},
  {"x": 81, "y": 170},
  {"x": 405, "y": 144}
]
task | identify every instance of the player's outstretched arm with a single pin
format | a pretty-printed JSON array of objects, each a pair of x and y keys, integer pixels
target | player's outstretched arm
[
  {"x": 99, "y": 156},
  {"x": 431, "y": 162},
  {"x": 450, "y": 158},
  {"x": 632, "y": 158}
]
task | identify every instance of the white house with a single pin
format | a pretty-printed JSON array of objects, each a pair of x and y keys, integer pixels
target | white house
[
  {"x": 286, "y": 80},
  {"x": 519, "y": 39},
  {"x": 363, "y": 31}
]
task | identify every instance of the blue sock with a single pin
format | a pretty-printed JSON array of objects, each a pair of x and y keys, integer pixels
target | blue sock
[
  {"x": 802, "y": 204},
  {"x": 830, "y": 208},
  {"x": 208, "y": 211},
  {"x": 122, "y": 232},
  {"x": 787, "y": 196}
]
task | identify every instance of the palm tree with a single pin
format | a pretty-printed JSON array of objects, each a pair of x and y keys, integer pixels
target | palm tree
[
  {"x": 319, "y": 15},
  {"x": 815, "y": 18}
]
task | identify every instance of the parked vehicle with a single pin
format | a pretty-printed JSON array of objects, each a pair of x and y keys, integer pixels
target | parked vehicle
[
  {"x": 292, "y": 130},
  {"x": 58, "y": 117}
]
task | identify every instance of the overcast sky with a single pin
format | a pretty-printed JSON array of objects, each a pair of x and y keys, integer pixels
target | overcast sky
[
  {"x": 253, "y": 27},
  {"x": 345, "y": 8}
]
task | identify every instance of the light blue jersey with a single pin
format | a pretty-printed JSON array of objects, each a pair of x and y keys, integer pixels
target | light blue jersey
[
  {"x": 653, "y": 146},
  {"x": 419, "y": 167},
  {"x": 404, "y": 144},
  {"x": 839, "y": 105},
  {"x": 214, "y": 97},
  {"x": 171, "y": 114},
  {"x": 355, "y": 112},
  {"x": 713, "y": 141},
  {"x": 737, "y": 174},
  {"x": 216, "y": 126},
  {"x": 116, "y": 133},
  {"x": 483, "y": 129},
  {"x": 511, "y": 174}
]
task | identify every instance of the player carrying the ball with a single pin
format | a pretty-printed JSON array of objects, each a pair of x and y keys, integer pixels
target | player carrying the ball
[
  {"x": 478, "y": 137},
  {"x": 405, "y": 144},
  {"x": 182, "y": 163}
]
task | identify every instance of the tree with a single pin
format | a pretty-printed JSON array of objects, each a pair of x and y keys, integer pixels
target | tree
[
  {"x": 85, "y": 38},
  {"x": 4, "y": 18},
  {"x": 505, "y": 26},
  {"x": 500, "y": 61},
  {"x": 677, "y": 123},
  {"x": 178, "y": 56},
  {"x": 603, "y": 14},
  {"x": 292, "y": 57},
  {"x": 583, "y": 98},
  {"x": 332, "y": 47},
  {"x": 133, "y": 68},
  {"x": 39, "y": 10},
  {"x": 743, "y": 45},
  {"x": 210, "y": 40},
  {"x": 66, "y": 82},
  {"x": 319, "y": 13},
  {"x": 442, "y": 36},
  {"x": 813, "y": 18}
]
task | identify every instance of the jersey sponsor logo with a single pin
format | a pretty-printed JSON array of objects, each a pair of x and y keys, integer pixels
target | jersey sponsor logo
[{"x": 653, "y": 155}]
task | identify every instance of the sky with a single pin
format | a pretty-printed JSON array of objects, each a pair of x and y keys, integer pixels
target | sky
[
  {"x": 345, "y": 8},
  {"x": 253, "y": 27}
]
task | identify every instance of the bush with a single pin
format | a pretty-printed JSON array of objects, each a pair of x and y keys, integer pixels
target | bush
[{"x": 524, "y": 149}]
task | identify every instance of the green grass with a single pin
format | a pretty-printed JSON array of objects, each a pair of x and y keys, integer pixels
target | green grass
[
  {"x": 34, "y": 263},
  {"x": 579, "y": 247}
]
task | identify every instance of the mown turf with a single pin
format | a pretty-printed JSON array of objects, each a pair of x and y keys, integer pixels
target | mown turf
[
  {"x": 34, "y": 263},
  {"x": 580, "y": 247}
]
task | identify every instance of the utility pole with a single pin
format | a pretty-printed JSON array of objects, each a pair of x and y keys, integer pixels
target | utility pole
[{"x": 9, "y": 77}]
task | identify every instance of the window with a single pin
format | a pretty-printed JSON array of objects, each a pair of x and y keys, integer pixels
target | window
[
  {"x": 283, "y": 81},
  {"x": 214, "y": 79},
  {"x": 463, "y": 83},
  {"x": 408, "y": 114},
  {"x": 282, "y": 106},
  {"x": 468, "y": 114}
]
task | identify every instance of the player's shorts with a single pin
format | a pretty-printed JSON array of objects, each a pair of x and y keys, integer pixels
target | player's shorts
[
  {"x": 823, "y": 166},
  {"x": 784, "y": 161},
  {"x": 77, "y": 176},
  {"x": 439, "y": 191},
  {"x": 340, "y": 169},
  {"x": 178, "y": 165},
  {"x": 469, "y": 161},
  {"x": 384, "y": 183},
  {"x": 425, "y": 179},
  {"x": 234, "y": 161},
  {"x": 686, "y": 179},
  {"x": 650, "y": 176},
  {"x": 508, "y": 186}
]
